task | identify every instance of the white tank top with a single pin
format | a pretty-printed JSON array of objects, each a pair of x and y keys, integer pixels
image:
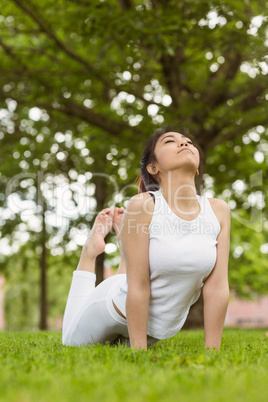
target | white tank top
[{"x": 181, "y": 256}]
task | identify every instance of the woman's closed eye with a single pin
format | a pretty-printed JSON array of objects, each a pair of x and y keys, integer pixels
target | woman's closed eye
[{"x": 190, "y": 142}]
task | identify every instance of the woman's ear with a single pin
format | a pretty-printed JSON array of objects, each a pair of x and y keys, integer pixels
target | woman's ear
[{"x": 152, "y": 169}]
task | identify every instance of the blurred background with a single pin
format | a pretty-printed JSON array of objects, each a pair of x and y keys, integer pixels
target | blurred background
[{"x": 83, "y": 86}]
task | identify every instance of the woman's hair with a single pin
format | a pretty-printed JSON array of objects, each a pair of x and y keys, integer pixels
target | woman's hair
[{"x": 145, "y": 180}]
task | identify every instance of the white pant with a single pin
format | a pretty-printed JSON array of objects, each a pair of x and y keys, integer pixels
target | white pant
[{"x": 90, "y": 316}]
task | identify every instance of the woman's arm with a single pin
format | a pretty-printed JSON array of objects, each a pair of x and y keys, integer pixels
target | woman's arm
[
  {"x": 216, "y": 287},
  {"x": 135, "y": 245}
]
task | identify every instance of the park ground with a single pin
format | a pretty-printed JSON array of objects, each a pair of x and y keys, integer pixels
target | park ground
[{"x": 36, "y": 367}]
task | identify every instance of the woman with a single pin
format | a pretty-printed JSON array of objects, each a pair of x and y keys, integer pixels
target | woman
[{"x": 172, "y": 241}]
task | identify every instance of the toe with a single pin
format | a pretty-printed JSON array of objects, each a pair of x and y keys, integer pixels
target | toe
[
  {"x": 111, "y": 213},
  {"x": 106, "y": 210}
]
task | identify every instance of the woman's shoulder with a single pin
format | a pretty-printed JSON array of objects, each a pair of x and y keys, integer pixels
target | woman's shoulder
[
  {"x": 139, "y": 200},
  {"x": 141, "y": 203},
  {"x": 218, "y": 203},
  {"x": 220, "y": 208}
]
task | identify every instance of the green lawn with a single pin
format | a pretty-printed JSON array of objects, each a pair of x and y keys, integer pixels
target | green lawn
[{"x": 36, "y": 367}]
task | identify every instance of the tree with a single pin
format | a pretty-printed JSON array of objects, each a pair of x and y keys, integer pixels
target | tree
[{"x": 108, "y": 73}]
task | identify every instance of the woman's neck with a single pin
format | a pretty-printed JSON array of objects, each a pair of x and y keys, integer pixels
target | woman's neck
[{"x": 180, "y": 192}]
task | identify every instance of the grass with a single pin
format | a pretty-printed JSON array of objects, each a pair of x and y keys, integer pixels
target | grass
[{"x": 36, "y": 367}]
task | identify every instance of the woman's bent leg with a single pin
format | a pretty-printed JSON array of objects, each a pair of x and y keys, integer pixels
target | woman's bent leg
[
  {"x": 84, "y": 278},
  {"x": 92, "y": 320},
  {"x": 83, "y": 283}
]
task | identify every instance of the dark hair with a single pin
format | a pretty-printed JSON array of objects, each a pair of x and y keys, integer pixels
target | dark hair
[{"x": 146, "y": 181}]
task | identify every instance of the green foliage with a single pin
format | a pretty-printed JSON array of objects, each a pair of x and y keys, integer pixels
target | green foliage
[
  {"x": 22, "y": 288},
  {"x": 36, "y": 366},
  {"x": 235, "y": 164},
  {"x": 22, "y": 291},
  {"x": 248, "y": 268}
]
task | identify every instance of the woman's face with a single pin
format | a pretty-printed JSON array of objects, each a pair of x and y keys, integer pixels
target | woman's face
[{"x": 173, "y": 150}]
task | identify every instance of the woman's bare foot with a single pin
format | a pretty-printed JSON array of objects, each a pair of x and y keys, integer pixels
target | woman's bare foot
[
  {"x": 118, "y": 215},
  {"x": 95, "y": 244},
  {"x": 103, "y": 224}
]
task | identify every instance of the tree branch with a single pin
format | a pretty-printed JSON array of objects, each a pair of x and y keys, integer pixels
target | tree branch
[
  {"x": 125, "y": 4},
  {"x": 9, "y": 52},
  {"x": 226, "y": 73},
  {"x": 44, "y": 26},
  {"x": 253, "y": 93},
  {"x": 88, "y": 115},
  {"x": 249, "y": 104},
  {"x": 236, "y": 132},
  {"x": 47, "y": 29},
  {"x": 170, "y": 67},
  {"x": 96, "y": 119}
]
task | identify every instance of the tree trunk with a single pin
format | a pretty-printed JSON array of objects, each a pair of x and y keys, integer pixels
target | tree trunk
[
  {"x": 25, "y": 296},
  {"x": 2, "y": 311},
  {"x": 99, "y": 268},
  {"x": 100, "y": 182},
  {"x": 43, "y": 276}
]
